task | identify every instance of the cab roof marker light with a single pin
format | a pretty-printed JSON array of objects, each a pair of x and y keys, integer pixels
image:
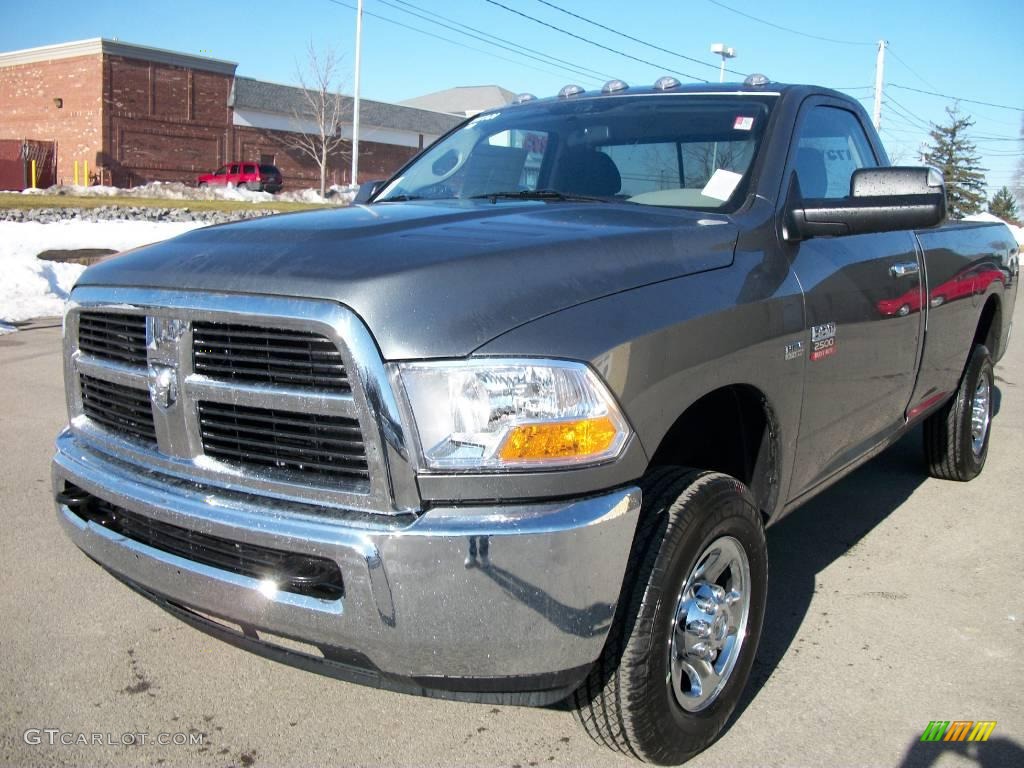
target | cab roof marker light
[
  {"x": 666, "y": 83},
  {"x": 614, "y": 86},
  {"x": 756, "y": 80},
  {"x": 524, "y": 98},
  {"x": 569, "y": 91}
]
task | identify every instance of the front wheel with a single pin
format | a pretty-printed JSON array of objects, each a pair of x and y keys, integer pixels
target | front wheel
[{"x": 688, "y": 622}]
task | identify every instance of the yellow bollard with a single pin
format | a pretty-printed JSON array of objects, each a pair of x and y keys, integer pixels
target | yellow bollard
[
  {"x": 76, "y": 173},
  {"x": 85, "y": 173},
  {"x": 33, "y": 174}
]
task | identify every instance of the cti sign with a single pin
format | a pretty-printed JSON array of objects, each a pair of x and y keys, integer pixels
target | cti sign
[{"x": 958, "y": 730}]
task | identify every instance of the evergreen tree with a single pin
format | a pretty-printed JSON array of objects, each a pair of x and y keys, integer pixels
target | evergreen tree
[
  {"x": 1004, "y": 205},
  {"x": 954, "y": 154}
]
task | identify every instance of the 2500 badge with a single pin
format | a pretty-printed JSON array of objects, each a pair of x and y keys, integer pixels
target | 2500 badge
[{"x": 823, "y": 341}]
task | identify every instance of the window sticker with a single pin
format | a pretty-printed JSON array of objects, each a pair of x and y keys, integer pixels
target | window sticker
[
  {"x": 743, "y": 124},
  {"x": 722, "y": 184}
]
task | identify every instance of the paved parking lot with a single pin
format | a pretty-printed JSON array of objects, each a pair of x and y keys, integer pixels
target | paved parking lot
[{"x": 894, "y": 600}]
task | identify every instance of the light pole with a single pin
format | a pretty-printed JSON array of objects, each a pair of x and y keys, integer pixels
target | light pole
[
  {"x": 876, "y": 114},
  {"x": 355, "y": 95},
  {"x": 726, "y": 53}
]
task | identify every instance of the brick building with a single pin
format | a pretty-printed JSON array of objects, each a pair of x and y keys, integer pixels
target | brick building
[{"x": 139, "y": 114}]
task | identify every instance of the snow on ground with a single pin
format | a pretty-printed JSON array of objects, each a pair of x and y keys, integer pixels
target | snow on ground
[
  {"x": 1017, "y": 232},
  {"x": 31, "y": 287},
  {"x": 174, "y": 190}
]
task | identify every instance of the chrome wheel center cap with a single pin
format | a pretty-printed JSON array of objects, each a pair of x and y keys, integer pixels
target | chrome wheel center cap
[
  {"x": 981, "y": 415},
  {"x": 709, "y": 624}
]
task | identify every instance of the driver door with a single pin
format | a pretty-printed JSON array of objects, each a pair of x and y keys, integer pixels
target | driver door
[{"x": 862, "y": 304}]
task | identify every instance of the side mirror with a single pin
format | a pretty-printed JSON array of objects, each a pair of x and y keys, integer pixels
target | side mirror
[
  {"x": 367, "y": 190},
  {"x": 880, "y": 200}
]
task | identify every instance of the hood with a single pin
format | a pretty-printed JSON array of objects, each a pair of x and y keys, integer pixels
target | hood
[{"x": 436, "y": 279}]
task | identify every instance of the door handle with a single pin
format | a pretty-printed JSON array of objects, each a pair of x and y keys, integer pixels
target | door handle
[{"x": 904, "y": 269}]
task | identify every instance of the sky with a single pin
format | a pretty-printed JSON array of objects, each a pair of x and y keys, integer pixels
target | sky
[{"x": 969, "y": 50}]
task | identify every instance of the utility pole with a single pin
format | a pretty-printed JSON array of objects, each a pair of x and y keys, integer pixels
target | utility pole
[
  {"x": 879, "y": 81},
  {"x": 355, "y": 95}
]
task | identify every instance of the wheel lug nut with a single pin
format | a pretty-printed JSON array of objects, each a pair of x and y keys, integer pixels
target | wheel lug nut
[
  {"x": 732, "y": 597},
  {"x": 704, "y": 651},
  {"x": 706, "y": 604},
  {"x": 718, "y": 592},
  {"x": 700, "y": 628}
]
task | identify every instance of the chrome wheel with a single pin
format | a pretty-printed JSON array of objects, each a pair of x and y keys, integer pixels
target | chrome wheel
[
  {"x": 980, "y": 414},
  {"x": 709, "y": 624}
]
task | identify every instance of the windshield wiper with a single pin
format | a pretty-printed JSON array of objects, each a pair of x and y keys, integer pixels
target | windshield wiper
[
  {"x": 399, "y": 199},
  {"x": 538, "y": 194}
]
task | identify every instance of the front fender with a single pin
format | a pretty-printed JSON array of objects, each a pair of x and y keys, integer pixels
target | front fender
[{"x": 664, "y": 346}]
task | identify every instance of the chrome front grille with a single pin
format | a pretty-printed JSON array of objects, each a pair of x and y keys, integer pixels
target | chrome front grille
[
  {"x": 275, "y": 356},
  {"x": 113, "y": 336},
  {"x": 122, "y": 409},
  {"x": 252, "y": 393},
  {"x": 284, "y": 440}
]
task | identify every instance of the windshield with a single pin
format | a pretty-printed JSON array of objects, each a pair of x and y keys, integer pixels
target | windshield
[{"x": 691, "y": 151}]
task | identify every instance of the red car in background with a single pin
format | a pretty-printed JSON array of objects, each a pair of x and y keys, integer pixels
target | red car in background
[
  {"x": 972, "y": 281},
  {"x": 258, "y": 177}
]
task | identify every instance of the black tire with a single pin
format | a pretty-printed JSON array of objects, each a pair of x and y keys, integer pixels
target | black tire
[
  {"x": 948, "y": 440},
  {"x": 626, "y": 702}
]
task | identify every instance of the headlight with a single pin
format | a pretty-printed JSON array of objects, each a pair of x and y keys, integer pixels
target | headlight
[{"x": 501, "y": 414}]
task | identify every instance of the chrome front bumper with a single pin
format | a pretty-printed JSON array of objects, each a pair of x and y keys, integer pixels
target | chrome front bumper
[{"x": 522, "y": 593}]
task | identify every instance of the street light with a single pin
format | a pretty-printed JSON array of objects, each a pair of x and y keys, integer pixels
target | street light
[{"x": 726, "y": 53}]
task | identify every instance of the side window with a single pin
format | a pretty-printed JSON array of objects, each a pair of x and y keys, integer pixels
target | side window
[
  {"x": 221, "y": 171},
  {"x": 234, "y": 168},
  {"x": 831, "y": 146}
]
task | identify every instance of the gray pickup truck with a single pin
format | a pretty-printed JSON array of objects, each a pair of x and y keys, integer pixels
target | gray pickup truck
[{"x": 511, "y": 429}]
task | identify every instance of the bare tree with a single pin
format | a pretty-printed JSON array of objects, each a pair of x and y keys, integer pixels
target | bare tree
[{"x": 319, "y": 117}]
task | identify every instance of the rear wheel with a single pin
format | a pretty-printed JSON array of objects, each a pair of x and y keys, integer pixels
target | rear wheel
[
  {"x": 688, "y": 622},
  {"x": 956, "y": 436}
]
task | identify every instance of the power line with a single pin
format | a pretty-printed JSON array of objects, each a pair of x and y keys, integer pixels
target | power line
[
  {"x": 907, "y": 113},
  {"x": 788, "y": 29},
  {"x": 865, "y": 43},
  {"x": 635, "y": 39},
  {"x": 905, "y": 128},
  {"x": 442, "y": 37},
  {"x": 910, "y": 68},
  {"x": 955, "y": 98},
  {"x": 502, "y": 42},
  {"x": 596, "y": 44},
  {"x": 994, "y": 139}
]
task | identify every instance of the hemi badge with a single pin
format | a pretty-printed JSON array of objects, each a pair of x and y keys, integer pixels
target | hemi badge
[{"x": 794, "y": 350}]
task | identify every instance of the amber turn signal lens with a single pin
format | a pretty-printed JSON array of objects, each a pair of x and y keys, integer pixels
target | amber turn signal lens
[{"x": 559, "y": 440}]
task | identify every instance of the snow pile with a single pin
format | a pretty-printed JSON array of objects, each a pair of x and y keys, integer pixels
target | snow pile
[
  {"x": 176, "y": 190},
  {"x": 32, "y": 287},
  {"x": 1018, "y": 232}
]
